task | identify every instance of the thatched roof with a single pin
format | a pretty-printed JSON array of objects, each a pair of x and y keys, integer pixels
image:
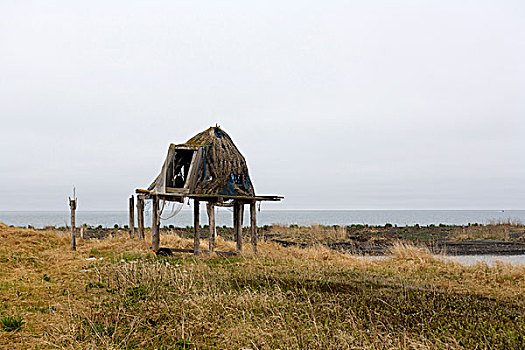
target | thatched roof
[
  {"x": 217, "y": 167},
  {"x": 223, "y": 169}
]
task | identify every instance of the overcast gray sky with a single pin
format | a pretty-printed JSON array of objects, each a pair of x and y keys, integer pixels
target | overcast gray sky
[{"x": 334, "y": 104}]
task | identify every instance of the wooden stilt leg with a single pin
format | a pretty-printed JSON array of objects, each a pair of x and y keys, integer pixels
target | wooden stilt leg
[
  {"x": 140, "y": 216},
  {"x": 131, "y": 216},
  {"x": 196, "y": 224},
  {"x": 155, "y": 222},
  {"x": 211, "y": 221},
  {"x": 235, "y": 223},
  {"x": 253, "y": 225},
  {"x": 237, "y": 226},
  {"x": 73, "y": 207}
]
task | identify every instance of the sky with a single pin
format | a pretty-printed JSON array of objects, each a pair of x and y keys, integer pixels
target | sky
[{"x": 334, "y": 104}]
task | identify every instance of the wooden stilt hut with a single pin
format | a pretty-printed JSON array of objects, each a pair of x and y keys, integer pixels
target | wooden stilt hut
[{"x": 207, "y": 168}]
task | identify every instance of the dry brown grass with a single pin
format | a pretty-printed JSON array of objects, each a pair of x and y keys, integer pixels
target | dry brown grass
[
  {"x": 403, "y": 251},
  {"x": 499, "y": 229},
  {"x": 281, "y": 298},
  {"x": 311, "y": 234},
  {"x": 507, "y": 222}
]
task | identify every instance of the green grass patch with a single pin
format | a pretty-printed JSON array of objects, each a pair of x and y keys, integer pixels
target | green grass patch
[{"x": 11, "y": 323}]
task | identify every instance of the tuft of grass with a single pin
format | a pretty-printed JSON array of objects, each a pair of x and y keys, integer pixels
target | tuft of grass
[
  {"x": 11, "y": 323},
  {"x": 404, "y": 251}
]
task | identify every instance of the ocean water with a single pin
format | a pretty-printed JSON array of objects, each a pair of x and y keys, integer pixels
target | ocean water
[
  {"x": 490, "y": 260},
  {"x": 224, "y": 216}
]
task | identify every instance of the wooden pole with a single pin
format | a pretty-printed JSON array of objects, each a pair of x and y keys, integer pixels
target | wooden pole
[
  {"x": 241, "y": 222},
  {"x": 140, "y": 216},
  {"x": 73, "y": 207},
  {"x": 253, "y": 225},
  {"x": 211, "y": 222},
  {"x": 196, "y": 224},
  {"x": 155, "y": 233},
  {"x": 235, "y": 221},
  {"x": 131, "y": 216},
  {"x": 237, "y": 224}
]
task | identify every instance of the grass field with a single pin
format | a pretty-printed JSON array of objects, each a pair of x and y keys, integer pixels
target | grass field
[{"x": 124, "y": 297}]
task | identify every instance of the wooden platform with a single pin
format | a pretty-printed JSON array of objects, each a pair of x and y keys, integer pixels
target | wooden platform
[
  {"x": 237, "y": 202},
  {"x": 179, "y": 197}
]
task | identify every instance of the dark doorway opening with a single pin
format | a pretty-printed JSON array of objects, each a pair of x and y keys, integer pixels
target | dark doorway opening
[{"x": 178, "y": 168}]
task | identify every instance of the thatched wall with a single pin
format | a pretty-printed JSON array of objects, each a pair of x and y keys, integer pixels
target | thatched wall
[{"x": 223, "y": 169}]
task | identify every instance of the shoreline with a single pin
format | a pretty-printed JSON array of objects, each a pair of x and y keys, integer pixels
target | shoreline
[
  {"x": 223, "y": 216},
  {"x": 451, "y": 240},
  {"x": 466, "y": 248}
]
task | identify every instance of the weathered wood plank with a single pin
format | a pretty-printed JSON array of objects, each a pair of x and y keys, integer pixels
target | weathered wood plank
[
  {"x": 212, "y": 234},
  {"x": 253, "y": 225},
  {"x": 155, "y": 223},
  {"x": 207, "y": 197},
  {"x": 131, "y": 216},
  {"x": 73, "y": 207},
  {"x": 235, "y": 222},
  {"x": 193, "y": 172},
  {"x": 196, "y": 224},
  {"x": 140, "y": 216},
  {"x": 238, "y": 209}
]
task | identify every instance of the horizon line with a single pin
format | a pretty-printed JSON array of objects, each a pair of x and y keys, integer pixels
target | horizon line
[{"x": 187, "y": 209}]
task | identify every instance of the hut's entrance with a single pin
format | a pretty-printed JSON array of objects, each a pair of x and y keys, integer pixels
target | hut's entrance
[{"x": 178, "y": 168}]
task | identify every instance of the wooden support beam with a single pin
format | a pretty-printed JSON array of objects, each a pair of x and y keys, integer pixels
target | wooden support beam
[
  {"x": 196, "y": 224},
  {"x": 242, "y": 214},
  {"x": 241, "y": 219},
  {"x": 131, "y": 216},
  {"x": 212, "y": 234},
  {"x": 235, "y": 221},
  {"x": 140, "y": 216},
  {"x": 238, "y": 209},
  {"x": 73, "y": 207},
  {"x": 155, "y": 223},
  {"x": 253, "y": 225}
]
